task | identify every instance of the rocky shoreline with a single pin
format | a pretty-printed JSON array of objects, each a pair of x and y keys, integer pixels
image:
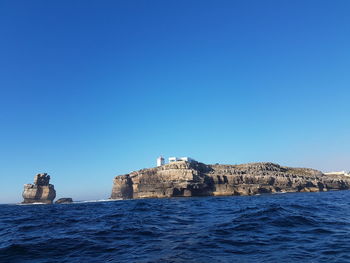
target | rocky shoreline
[{"x": 185, "y": 179}]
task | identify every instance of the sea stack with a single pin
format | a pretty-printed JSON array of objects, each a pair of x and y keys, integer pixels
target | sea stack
[
  {"x": 184, "y": 178},
  {"x": 39, "y": 192}
]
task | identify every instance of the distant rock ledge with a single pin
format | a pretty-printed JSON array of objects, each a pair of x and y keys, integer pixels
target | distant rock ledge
[
  {"x": 185, "y": 179},
  {"x": 40, "y": 192},
  {"x": 66, "y": 200}
]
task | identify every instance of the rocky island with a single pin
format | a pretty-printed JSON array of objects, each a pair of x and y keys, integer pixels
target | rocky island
[
  {"x": 39, "y": 192},
  {"x": 192, "y": 178},
  {"x": 65, "y": 200}
]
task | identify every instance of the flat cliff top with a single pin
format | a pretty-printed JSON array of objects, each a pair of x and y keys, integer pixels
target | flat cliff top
[{"x": 262, "y": 168}]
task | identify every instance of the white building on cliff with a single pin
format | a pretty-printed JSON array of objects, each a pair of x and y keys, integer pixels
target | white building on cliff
[
  {"x": 160, "y": 161},
  {"x": 176, "y": 159},
  {"x": 338, "y": 173}
]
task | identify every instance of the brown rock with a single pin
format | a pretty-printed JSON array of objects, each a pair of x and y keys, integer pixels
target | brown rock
[
  {"x": 65, "y": 200},
  {"x": 197, "y": 179},
  {"x": 39, "y": 192}
]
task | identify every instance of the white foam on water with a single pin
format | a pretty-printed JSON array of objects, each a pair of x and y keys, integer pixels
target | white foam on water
[
  {"x": 32, "y": 204},
  {"x": 96, "y": 201}
]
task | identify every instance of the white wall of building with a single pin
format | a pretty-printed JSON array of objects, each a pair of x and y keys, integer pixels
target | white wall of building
[
  {"x": 173, "y": 159},
  {"x": 160, "y": 161},
  {"x": 338, "y": 173},
  {"x": 176, "y": 159}
]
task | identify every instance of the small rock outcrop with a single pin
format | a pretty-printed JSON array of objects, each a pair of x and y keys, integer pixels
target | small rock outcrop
[
  {"x": 66, "y": 200},
  {"x": 39, "y": 192},
  {"x": 197, "y": 179}
]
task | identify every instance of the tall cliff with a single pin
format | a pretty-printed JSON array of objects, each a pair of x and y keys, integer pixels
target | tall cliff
[
  {"x": 198, "y": 179},
  {"x": 39, "y": 192}
]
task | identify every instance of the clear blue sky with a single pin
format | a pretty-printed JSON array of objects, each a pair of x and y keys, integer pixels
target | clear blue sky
[{"x": 93, "y": 89}]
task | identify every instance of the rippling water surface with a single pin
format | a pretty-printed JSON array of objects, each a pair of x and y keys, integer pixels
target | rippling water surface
[{"x": 300, "y": 227}]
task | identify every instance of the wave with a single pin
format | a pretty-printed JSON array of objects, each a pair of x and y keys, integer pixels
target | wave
[
  {"x": 31, "y": 204},
  {"x": 96, "y": 201}
]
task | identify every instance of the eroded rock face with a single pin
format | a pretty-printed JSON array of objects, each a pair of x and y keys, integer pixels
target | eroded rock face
[
  {"x": 198, "y": 179},
  {"x": 39, "y": 192}
]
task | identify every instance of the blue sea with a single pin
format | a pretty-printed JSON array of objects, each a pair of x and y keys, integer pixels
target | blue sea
[{"x": 294, "y": 227}]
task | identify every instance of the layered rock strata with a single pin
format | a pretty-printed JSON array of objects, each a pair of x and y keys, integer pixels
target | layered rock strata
[
  {"x": 182, "y": 179},
  {"x": 39, "y": 192}
]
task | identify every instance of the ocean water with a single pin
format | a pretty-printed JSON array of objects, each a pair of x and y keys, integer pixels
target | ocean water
[{"x": 297, "y": 227}]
